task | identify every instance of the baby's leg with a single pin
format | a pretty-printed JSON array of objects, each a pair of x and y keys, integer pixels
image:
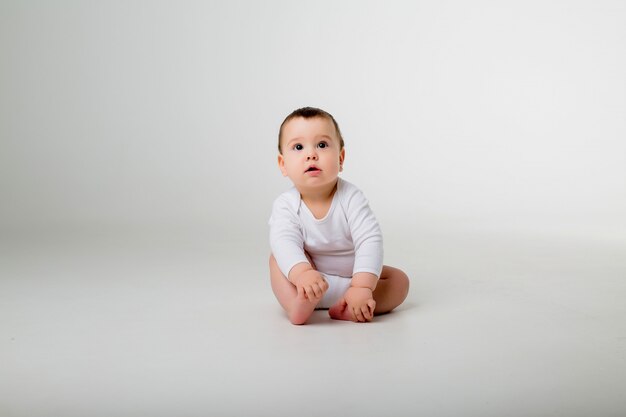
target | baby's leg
[
  {"x": 298, "y": 309},
  {"x": 390, "y": 292},
  {"x": 392, "y": 289}
]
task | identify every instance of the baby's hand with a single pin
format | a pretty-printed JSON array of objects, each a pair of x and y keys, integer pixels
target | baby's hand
[
  {"x": 360, "y": 303},
  {"x": 310, "y": 285}
]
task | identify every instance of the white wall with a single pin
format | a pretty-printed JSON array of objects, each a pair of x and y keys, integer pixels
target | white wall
[{"x": 493, "y": 116}]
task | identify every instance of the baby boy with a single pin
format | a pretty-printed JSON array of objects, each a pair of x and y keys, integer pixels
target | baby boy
[{"x": 327, "y": 249}]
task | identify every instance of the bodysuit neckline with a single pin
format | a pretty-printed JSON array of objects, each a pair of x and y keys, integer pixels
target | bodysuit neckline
[{"x": 330, "y": 209}]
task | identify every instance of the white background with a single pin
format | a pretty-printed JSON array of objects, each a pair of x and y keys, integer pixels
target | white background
[
  {"x": 497, "y": 116},
  {"x": 137, "y": 173}
]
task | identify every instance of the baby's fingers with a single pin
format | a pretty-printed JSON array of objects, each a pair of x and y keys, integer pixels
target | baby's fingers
[
  {"x": 367, "y": 314},
  {"x": 310, "y": 293},
  {"x": 318, "y": 290},
  {"x": 358, "y": 314},
  {"x": 301, "y": 294},
  {"x": 372, "y": 306}
]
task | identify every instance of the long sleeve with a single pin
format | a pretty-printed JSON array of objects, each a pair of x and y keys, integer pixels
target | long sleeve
[
  {"x": 366, "y": 234},
  {"x": 286, "y": 237}
]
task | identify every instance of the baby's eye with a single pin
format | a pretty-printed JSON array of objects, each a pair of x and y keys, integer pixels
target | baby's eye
[
  {"x": 298, "y": 147},
  {"x": 322, "y": 145}
]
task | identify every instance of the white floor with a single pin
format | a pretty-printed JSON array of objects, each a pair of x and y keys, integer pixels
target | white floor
[{"x": 122, "y": 325}]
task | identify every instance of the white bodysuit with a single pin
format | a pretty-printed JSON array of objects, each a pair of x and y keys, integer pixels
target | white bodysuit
[{"x": 346, "y": 241}]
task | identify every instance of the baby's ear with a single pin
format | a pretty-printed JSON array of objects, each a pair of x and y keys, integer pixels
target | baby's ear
[
  {"x": 342, "y": 157},
  {"x": 281, "y": 165}
]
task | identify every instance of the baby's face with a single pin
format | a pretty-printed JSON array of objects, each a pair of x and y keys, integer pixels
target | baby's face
[{"x": 311, "y": 156}]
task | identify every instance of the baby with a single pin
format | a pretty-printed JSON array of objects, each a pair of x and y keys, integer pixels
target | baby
[{"x": 327, "y": 248}]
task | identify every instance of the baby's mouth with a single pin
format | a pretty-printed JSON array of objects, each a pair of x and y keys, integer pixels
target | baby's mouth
[{"x": 312, "y": 168}]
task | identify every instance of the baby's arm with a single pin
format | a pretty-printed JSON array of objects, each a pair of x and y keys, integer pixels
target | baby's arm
[
  {"x": 287, "y": 242},
  {"x": 367, "y": 239},
  {"x": 364, "y": 280},
  {"x": 309, "y": 283}
]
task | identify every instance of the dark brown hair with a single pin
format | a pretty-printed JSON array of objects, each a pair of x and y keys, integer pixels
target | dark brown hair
[{"x": 309, "y": 113}]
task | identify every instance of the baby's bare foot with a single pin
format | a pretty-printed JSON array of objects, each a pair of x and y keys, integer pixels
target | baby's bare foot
[
  {"x": 340, "y": 312},
  {"x": 302, "y": 308}
]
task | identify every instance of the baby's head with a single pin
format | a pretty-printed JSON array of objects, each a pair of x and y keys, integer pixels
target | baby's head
[
  {"x": 309, "y": 113},
  {"x": 311, "y": 148}
]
